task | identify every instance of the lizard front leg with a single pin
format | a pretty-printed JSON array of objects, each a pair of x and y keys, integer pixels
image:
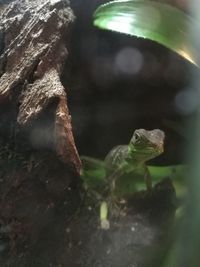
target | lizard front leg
[
  {"x": 112, "y": 178},
  {"x": 147, "y": 178}
]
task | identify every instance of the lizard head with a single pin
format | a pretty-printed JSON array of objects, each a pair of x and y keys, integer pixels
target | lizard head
[{"x": 146, "y": 145}]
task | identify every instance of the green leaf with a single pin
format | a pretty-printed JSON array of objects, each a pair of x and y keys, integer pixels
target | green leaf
[
  {"x": 156, "y": 21},
  {"x": 177, "y": 173}
]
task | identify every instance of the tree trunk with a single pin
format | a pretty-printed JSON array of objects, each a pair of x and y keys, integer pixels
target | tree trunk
[
  {"x": 39, "y": 162},
  {"x": 34, "y": 37}
]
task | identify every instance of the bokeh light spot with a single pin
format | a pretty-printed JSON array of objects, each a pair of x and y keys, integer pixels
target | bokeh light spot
[
  {"x": 129, "y": 61},
  {"x": 186, "y": 101}
]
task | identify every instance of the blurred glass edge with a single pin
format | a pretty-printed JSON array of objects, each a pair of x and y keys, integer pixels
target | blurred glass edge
[{"x": 186, "y": 250}]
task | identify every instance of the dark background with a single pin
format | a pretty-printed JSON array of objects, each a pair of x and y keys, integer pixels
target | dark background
[{"x": 107, "y": 103}]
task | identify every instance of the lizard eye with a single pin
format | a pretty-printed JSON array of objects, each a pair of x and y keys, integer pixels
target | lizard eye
[{"x": 137, "y": 136}]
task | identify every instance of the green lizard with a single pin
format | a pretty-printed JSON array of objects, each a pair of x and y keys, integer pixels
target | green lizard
[{"x": 125, "y": 166}]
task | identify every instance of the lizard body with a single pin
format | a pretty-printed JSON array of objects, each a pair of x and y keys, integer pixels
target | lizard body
[{"x": 125, "y": 164}]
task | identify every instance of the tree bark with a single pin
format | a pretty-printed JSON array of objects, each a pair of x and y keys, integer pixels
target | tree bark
[{"x": 33, "y": 37}]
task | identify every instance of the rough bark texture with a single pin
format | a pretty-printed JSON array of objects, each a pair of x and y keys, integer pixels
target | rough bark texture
[{"x": 34, "y": 35}]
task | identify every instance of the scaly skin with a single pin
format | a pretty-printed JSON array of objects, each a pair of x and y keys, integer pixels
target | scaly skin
[{"x": 127, "y": 163}]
